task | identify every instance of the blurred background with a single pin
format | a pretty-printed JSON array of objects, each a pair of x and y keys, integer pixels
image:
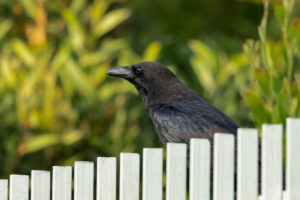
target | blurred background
[{"x": 57, "y": 105}]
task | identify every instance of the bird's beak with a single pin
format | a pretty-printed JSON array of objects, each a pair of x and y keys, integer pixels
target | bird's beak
[{"x": 122, "y": 72}]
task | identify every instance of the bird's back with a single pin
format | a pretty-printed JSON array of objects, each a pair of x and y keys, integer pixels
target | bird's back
[{"x": 187, "y": 117}]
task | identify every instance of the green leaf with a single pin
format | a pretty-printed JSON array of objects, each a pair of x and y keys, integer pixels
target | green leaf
[
  {"x": 23, "y": 51},
  {"x": 283, "y": 103},
  {"x": 7, "y": 72},
  {"x": 30, "y": 7},
  {"x": 279, "y": 12},
  {"x": 263, "y": 80},
  {"x": 110, "y": 21},
  {"x": 72, "y": 73},
  {"x": 257, "y": 108},
  {"x": 61, "y": 56},
  {"x": 295, "y": 29},
  {"x": 108, "y": 50},
  {"x": 77, "y": 5},
  {"x": 277, "y": 83},
  {"x": 297, "y": 112},
  {"x": 152, "y": 51},
  {"x": 71, "y": 137},
  {"x": 297, "y": 79},
  {"x": 48, "y": 139},
  {"x": 294, "y": 89},
  {"x": 39, "y": 142},
  {"x": 5, "y": 26},
  {"x": 75, "y": 29},
  {"x": 97, "y": 10},
  {"x": 204, "y": 62},
  {"x": 203, "y": 51}
]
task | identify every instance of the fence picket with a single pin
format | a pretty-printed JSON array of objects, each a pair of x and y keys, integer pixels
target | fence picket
[
  {"x": 129, "y": 176},
  {"x": 62, "y": 183},
  {"x": 106, "y": 178},
  {"x": 176, "y": 171},
  {"x": 200, "y": 169},
  {"x": 223, "y": 167},
  {"x": 84, "y": 180},
  {"x": 152, "y": 173},
  {"x": 247, "y": 166},
  {"x": 18, "y": 187},
  {"x": 40, "y": 185},
  {"x": 271, "y": 162},
  {"x": 293, "y": 159},
  {"x": 3, "y": 189}
]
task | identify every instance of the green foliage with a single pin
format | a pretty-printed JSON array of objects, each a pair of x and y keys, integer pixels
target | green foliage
[
  {"x": 56, "y": 104},
  {"x": 274, "y": 93}
]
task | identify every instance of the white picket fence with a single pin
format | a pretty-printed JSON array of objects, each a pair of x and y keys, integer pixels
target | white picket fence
[{"x": 176, "y": 173}]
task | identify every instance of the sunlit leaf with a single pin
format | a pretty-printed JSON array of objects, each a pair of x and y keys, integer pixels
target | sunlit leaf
[
  {"x": 264, "y": 81},
  {"x": 203, "y": 63},
  {"x": 23, "y": 51},
  {"x": 110, "y": 21},
  {"x": 71, "y": 137},
  {"x": 295, "y": 29},
  {"x": 152, "y": 51},
  {"x": 5, "y": 26},
  {"x": 7, "y": 72},
  {"x": 48, "y": 112},
  {"x": 48, "y": 139},
  {"x": 280, "y": 12},
  {"x": 297, "y": 79},
  {"x": 30, "y": 7},
  {"x": 108, "y": 50},
  {"x": 258, "y": 110},
  {"x": 77, "y": 5},
  {"x": 97, "y": 10},
  {"x": 61, "y": 57},
  {"x": 40, "y": 142},
  {"x": 283, "y": 101},
  {"x": 75, "y": 29},
  {"x": 204, "y": 52},
  {"x": 72, "y": 73}
]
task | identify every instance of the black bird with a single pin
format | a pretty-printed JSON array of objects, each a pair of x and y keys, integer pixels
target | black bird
[{"x": 177, "y": 112}]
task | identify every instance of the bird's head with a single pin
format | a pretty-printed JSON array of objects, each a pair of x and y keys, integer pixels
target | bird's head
[{"x": 151, "y": 79}]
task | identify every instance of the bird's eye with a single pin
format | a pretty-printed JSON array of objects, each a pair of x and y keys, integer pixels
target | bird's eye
[{"x": 138, "y": 71}]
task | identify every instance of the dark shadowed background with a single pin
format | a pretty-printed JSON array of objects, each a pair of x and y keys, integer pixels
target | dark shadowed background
[{"x": 57, "y": 105}]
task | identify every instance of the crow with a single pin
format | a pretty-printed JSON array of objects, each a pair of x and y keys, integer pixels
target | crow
[{"x": 178, "y": 114}]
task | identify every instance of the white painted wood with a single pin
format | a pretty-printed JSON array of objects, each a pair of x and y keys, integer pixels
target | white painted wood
[
  {"x": 3, "y": 189},
  {"x": 199, "y": 169},
  {"x": 247, "y": 165},
  {"x": 129, "y": 176},
  {"x": 152, "y": 173},
  {"x": 259, "y": 197},
  {"x": 62, "y": 183},
  {"x": 176, "y": 171},
  {"x": 223, "y": 167},
  {"x": 18, "y": 187},
  {"x": 84, "y": 180},
  {"x": 293, "y": 159},
  {"x": 40, "y": 185},
  {"x": 284, "y": 195},
  {"x": 271, "y": 162},
  {"x": 106, "y": 178}
]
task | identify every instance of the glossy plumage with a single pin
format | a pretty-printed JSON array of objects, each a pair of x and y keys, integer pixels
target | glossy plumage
[{"x": 177, "y": 112}]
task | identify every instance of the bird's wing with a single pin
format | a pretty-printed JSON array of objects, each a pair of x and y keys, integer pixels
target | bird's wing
[{"x": 176, "y": 124}]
